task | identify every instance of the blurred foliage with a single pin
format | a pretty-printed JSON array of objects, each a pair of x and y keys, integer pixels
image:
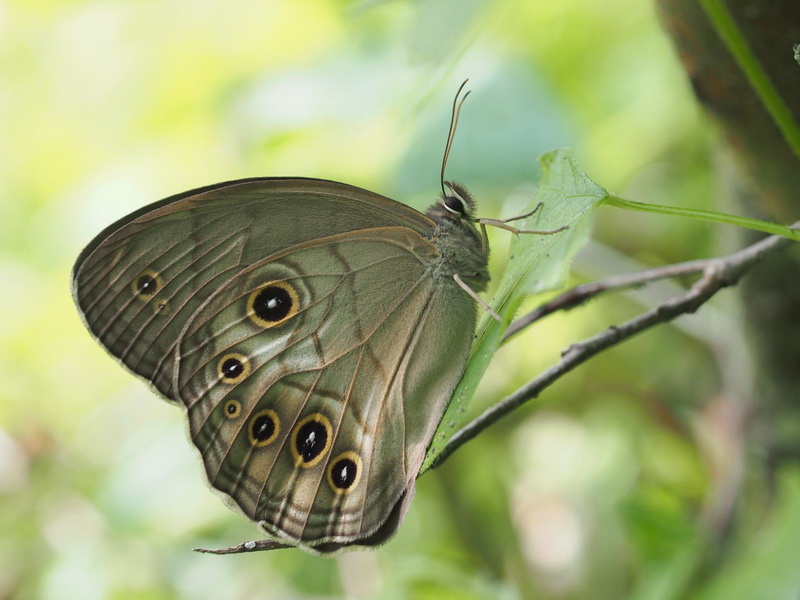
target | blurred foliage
[{"x": 634, "y": 481}]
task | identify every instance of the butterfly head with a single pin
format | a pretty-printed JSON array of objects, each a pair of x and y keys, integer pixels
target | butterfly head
[
  {"x": 462, "y": 246},
  {"x": 455, "y": 205}
]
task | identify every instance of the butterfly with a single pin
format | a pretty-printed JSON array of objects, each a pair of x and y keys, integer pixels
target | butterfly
[{"x": 313, "y": 331}]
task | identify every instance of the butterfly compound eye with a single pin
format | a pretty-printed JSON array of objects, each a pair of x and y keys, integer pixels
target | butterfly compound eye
[{"x": 455, "y": 205}]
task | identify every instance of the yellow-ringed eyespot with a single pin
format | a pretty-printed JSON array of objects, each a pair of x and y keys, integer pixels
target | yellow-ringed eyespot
[
  {"x": 344, "y": 472},
  {"x": 147, "y": 284},
  {"x": 232, "y": 408},
  {"x": 311, "y": 439},
  {"x": 272, "y": 303},
  {"x": 264, "y": 428},
  {"x": 160, "y": 307},
  {"x": 233, "y": 368}
]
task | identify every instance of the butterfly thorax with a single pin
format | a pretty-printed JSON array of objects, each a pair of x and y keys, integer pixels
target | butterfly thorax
[{"x": 463, "y": 250}]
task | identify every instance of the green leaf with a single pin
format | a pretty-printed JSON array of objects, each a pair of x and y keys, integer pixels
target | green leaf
[{"x": 537, "y": 263}]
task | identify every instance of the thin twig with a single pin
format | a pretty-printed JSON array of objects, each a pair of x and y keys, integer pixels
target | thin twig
[
  {"x": 718, "y": 273},
  {"x": 254, "y": 546},
  {"x": 581, "y": 293}
]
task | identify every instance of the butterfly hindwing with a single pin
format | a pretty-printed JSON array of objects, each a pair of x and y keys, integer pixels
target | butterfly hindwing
[{"x": 304, "y": 421}]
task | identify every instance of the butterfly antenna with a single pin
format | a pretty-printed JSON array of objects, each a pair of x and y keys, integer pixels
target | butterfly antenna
[{"x": 457, "y": 104}]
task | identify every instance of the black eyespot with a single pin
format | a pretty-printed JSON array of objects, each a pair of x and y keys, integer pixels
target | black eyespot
[
  {"x": 232, "y": 408},
  {"x": 272, "y": 304},
  {"x": 344, "y": 472},
  {"x": 455, "y": 204},
  {"x": 311, "y": 439},
  {"x": 147, "y": 285},
  {"x": 160, "y": 307},
  {"x": 264, "y": 428},
  {"x": 232, "y": 368}
]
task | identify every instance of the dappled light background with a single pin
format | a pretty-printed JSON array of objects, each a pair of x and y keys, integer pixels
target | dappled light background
[{"x": 604, "y": 487}]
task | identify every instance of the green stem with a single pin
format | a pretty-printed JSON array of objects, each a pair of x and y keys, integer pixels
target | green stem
[
  {"x": 727, "y": 29},
  {"x": 705, "y": 215}
]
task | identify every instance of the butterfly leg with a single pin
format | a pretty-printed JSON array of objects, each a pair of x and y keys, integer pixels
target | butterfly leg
[
  {"x": 503, "y": 224},
  {"x": 477, "y": 298},
  {"x": 512, "y": 229},
  {"x": 525, "y": 216}
]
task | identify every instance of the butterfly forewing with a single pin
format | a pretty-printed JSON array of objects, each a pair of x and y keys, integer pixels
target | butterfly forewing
[
  {"x": 137, "y": 291},
  {"x": 138, "y": 282}
]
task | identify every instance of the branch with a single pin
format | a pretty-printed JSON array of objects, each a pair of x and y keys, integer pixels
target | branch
[
  {"x": 584, "y": 292},
  {"x": 718, "y": 273},
  {"x": 254, "y": 546}
]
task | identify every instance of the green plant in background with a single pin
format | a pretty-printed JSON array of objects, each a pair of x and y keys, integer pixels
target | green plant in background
[{"x": 636, "y": 480}]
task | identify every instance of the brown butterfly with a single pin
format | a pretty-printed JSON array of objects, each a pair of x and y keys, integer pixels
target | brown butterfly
[{"x": 314, "y": 332}]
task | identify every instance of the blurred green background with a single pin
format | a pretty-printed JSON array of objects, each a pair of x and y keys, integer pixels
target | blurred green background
[{"x": 627, "y": 479}]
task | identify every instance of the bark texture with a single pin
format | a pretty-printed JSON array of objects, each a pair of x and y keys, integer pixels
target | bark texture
[{"x": 772, "y": 191}]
